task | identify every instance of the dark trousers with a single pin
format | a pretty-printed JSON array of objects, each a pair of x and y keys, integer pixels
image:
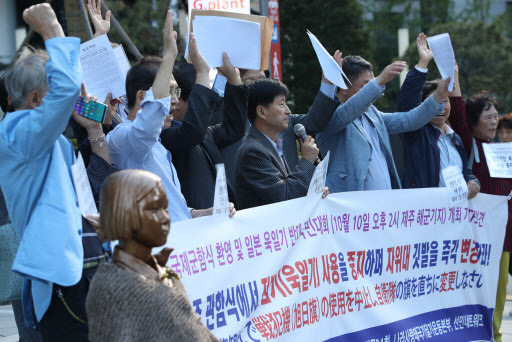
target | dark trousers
[{"x": 58, "y": 324}]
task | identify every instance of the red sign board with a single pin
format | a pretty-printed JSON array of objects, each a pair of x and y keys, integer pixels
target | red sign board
[{"x": 275, "y": 47}]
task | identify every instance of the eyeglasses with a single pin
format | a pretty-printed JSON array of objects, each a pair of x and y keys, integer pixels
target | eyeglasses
[{"x": 175, "y": 92}]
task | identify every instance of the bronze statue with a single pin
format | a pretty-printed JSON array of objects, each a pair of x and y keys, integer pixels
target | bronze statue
[{"x": 135, "y": 297}]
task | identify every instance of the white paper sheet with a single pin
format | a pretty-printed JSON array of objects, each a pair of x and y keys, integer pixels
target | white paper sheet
[
  {"x": 499, "y": 159},
  {"x": 317, "y": 184},
  {"x": 221, "y": 198},
  {"x": 101, "y": 71},
  {"x": 83, "y": 187},
  {"x": 457, "y": 187},
  {"x": 240, "y": 39},
  {"x": 332, "y": 71},
  {"x": 442, "y": 49},
  {"x": 122, "y": 60}
]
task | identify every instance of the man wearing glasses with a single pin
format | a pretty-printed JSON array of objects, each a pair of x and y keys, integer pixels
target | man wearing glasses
[
  {"x": 194, "y": 145},
  {"x": 135, "y": 144}
]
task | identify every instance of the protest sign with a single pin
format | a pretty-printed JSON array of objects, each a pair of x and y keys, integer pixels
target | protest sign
[
  {"x": 456, "y": 184},
  {"x": 499, "y": 159},
  {"x": 442, "y": 49},
  {"x": 356, "y": 266},
  {"x": 101, "y": 71},
  {"x": 219, "y": 36}
]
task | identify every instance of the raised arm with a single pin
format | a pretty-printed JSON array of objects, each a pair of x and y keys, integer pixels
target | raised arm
[
  {"x": 46, "y": 123},
  {"x": 412, "y": 88},
  {"x": 142, "y": 134},
  {"x": 346, "y": 113},
  {"x": 192, "y": 130},
  {"x": 236, "y": 96},
  {"x": 321, "y": 111},
  {"x": 419, "y": 116},
  {"x": 458, "y": 114}
]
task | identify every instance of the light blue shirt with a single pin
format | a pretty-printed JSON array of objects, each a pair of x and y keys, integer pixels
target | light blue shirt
[
  {"x": 278, "y": 145},
  {"x": 135, "y": 145},
  {"x": 448, "y": 152},
  {"x": 36, "y": 180},
  {"x": 378, "y": 172}
]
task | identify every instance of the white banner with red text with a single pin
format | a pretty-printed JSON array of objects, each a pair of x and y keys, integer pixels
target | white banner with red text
[{"x": 398, "y": 265}]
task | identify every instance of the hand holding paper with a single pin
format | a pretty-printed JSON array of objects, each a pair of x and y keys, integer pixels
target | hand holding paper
[
  {"x": 331, "y": 68},
  {"x": 229, "y": 71},
  {"x": 200, "y": 64},
  {"x": 441, "y": 47}
]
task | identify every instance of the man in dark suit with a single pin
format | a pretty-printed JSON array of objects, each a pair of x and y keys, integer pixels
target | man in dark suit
[
  {"x": 262, "y": 174},
  {"x": 314, "y": 121},
  {"x": 195, "y": 159}
]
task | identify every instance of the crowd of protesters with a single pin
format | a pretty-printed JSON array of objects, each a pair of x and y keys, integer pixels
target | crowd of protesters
[{"x": 174, "y": 126}]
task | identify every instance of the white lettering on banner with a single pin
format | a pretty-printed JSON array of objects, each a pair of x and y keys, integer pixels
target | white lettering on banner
[
  {"x": 83, "y": 187},
  {"x": 317, "y": 184},
  {"x": 392, "y": 265},
  {"x": 456, "y": 184},
  {"x": 236, "y": 6},
  {"x": 221, "y": 197},
  {"x": 499, "y": 159}
]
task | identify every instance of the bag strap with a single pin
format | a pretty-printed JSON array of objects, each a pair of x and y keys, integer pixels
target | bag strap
[{"x": 474, "y": 156}]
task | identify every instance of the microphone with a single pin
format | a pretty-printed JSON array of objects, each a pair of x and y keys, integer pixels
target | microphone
[{"x": 300, "y": 132}]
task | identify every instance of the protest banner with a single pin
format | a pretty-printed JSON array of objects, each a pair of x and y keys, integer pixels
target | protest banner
[{"x": 396, "y": 265}]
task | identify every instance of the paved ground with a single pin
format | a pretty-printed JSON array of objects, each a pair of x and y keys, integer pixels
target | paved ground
[{"x": 9, "y": 333}]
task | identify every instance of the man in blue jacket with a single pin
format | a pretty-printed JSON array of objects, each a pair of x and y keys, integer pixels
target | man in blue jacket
[
  {"x": 357, "y": 134},
  {"x": 435, "y": 146},
  {"x": 36, "y": 174}
]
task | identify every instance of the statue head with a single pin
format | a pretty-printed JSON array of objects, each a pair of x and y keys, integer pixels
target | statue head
[{"x": 133, "y": 206}]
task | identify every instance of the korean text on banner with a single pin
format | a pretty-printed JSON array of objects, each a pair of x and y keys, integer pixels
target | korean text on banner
[{"x": 389, "y": 264}]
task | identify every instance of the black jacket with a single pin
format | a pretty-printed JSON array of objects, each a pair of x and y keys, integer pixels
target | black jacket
[
  {"x": 261, "y": 176},
  {"x": 195, "y": 146},
  {"x": 317, "y": 118},
  {"x": 422, "y": 158}
]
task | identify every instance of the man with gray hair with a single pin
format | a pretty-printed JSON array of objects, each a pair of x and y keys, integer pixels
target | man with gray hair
[{"x": 36, "y": 180}]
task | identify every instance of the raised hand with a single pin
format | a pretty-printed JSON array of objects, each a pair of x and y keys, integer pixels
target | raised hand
[
  {"x": 200, "y": 64},
  {"x": 309, "y": 150},
  {"x": 101, "y": 26},
  {"x": 456, "y": 91},
  {"x": 338, "y": 58},
  {"x": 170, "y": 36},
  {"x": 229, "y": 71},
  {"x": 442, "y": 90},
  {"x": 41, "y": 18},
  {"x": 390, "y": 72},
  {"x": 423, "y": 51}
]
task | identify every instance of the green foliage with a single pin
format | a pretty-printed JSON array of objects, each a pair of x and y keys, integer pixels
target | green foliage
[
  {"x": 483, "y": 55},
  {"x": 142, "y": 22},
  {"x": 337, "y": 24}
]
